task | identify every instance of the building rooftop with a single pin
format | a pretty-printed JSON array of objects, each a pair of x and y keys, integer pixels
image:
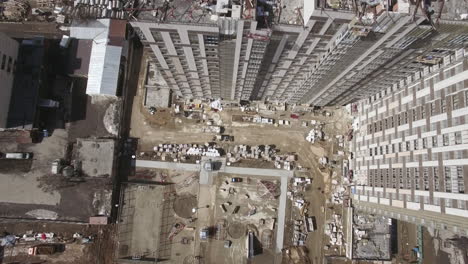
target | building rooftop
[
  {"x": 96, "y": 156},
  {"x": 26, "y": 85},
  {"x": 79, "y": 56},
  {"x": 107, "y": 38}
]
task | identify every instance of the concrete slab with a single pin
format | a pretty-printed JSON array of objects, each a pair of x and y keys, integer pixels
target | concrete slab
[{"x": 167, "y": 165}]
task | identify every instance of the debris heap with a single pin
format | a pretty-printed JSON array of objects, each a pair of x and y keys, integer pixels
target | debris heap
[
  {"x": 15, "y": 10},
  {"x": 334, "y": 229},
  {"x": 262, "y": 152},
  {"x": 182, "y": 152}
]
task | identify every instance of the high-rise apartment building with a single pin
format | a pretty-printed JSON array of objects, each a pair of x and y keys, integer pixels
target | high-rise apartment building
[
  {"x": 8, "y": 54},
  {"x": 411, "y": 145},
  {"x": 331, "y": 57}
]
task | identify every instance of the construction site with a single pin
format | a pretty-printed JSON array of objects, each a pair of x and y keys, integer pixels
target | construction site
[
  {"x": 249, "y": 182},
  {"x": 233, "y": 131}
]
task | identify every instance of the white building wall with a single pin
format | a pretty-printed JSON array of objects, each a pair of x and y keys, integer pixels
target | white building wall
[{"x": 411, "y": 145}]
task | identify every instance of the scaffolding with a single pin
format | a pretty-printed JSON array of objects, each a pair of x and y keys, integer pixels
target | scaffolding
[
  {"x": 167, "y": 222},
  {"x": 126, "y": 222}
]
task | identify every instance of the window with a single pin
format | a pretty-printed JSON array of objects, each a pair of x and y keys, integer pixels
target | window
[
  {"x": 433, "y": 109},
  {"x": 415, "y": 115},
  {"x": 466, "y": 98},
  {"x": 448, "y": 203},
  {"x": 426, "y": 178},
  {"x": 3, "y": 61},
  {"x": 448, "y": 181},
  {"x": 445, "y": 139},
  {"x": 443, "y": 105},
  {"x": 460, "y": 180},
  {"x": 458, "y": 138},
  {"x": 417, "y": 199},
  {"x": 423, "y": 112},
  {"x": 416, "y": 178},
  {"x": 426, "y": 199},
  {"x": 455, "y": 102},
  {"x": 436, "y": 178}
]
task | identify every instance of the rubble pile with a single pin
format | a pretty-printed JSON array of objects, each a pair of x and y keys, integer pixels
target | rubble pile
[
  {"x": 263, "y": 120},
  {"x": 262, "y": 152},
  {"x": 339, "y": 193},
  {"x": 212, "y": 129},
  {"x": 117, "y": 9},
  {"x": 314, "y": 135},
  {"x": 181, "y": 152},
  {"x": 15, "y": 10},
  {"x": 253, "y": 119},
  {"x": 305, "y": 224},
  {"x": 300, "y": 234},
  {"x": 372, "y": 236},
  {"x": 334, "y": 230},
  {"x": 296, "y": 193}
]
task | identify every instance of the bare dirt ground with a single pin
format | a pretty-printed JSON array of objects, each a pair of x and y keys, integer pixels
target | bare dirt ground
[
  {"x": 407, "y": 240},
  {"x": 100, "y": 251},
  {"x": 91, "y": 124},
  {"x": 287, "y": 139}
]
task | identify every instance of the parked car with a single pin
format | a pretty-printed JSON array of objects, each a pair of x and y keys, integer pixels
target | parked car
[
  {"x": 236, "y": 179},
  {"x": 18, "y": 155}
]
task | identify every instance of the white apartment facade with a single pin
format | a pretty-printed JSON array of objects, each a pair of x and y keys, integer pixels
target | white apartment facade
[
  {"x": 236, "y": 59},
  {"x": 8, "y": 55},
  {"x": 411, "y": 148}
]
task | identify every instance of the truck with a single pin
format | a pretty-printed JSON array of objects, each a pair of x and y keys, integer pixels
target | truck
[
  {"x": 18, "y": 155},
  {"x": 204, "y": 234},
  {"x": 311, "y": 223}
]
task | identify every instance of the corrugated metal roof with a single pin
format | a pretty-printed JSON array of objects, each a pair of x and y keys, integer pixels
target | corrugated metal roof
[
  {"x": 104, "y": 63},
  {"x": 103, "y": 71}
]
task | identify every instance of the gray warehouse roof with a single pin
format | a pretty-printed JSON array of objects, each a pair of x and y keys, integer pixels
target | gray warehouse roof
[{"x": 104, "y": 63}]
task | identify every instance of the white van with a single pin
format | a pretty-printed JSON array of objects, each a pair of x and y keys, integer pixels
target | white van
[{"x": 18, "y": 155}]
